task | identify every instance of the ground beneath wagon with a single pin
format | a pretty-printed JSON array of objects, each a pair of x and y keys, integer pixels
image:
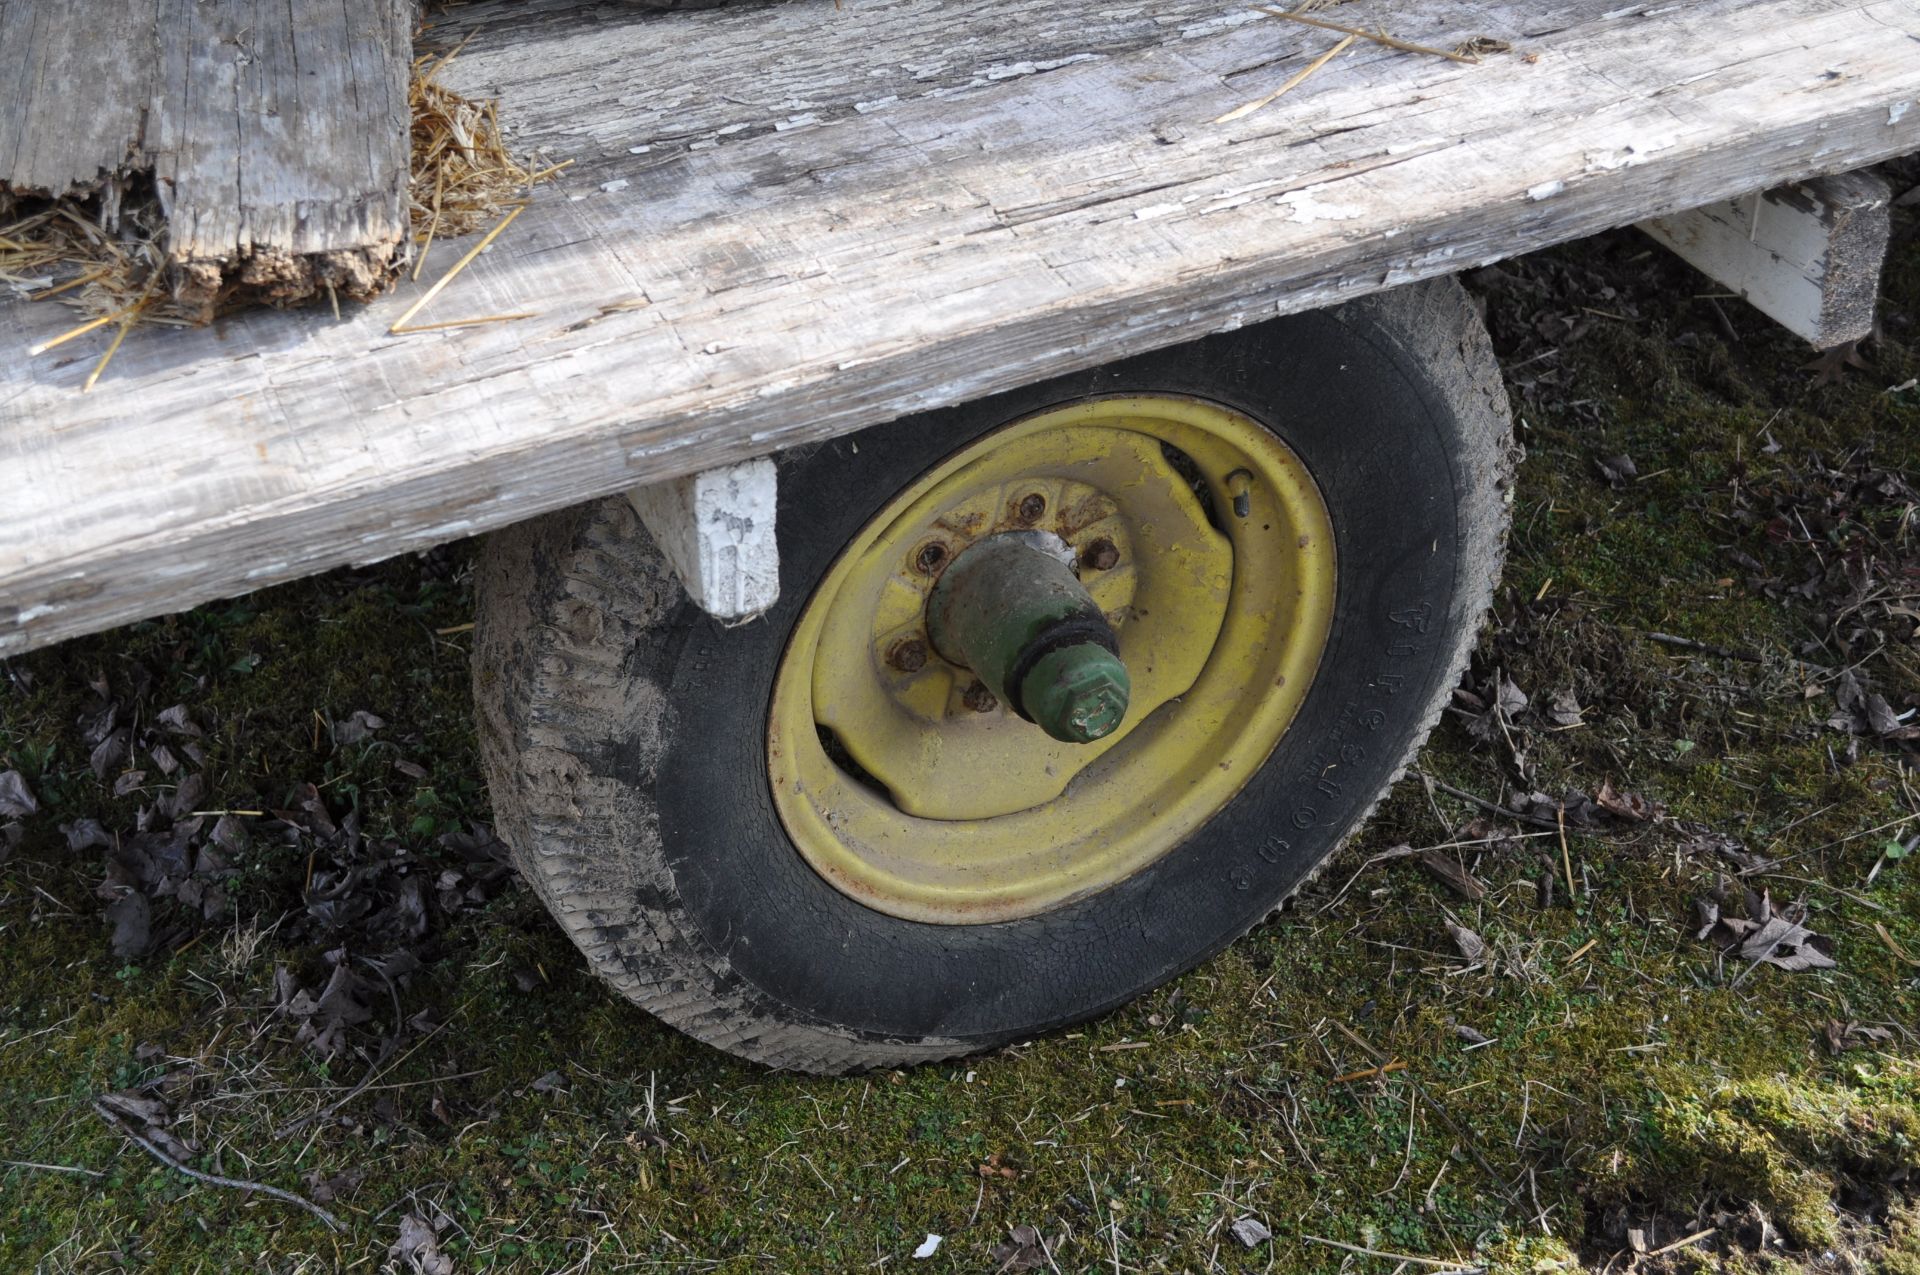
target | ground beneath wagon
[{"x": 252, "y": 914}]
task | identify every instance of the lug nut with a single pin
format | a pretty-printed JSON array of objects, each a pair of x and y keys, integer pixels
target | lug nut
[
  {"x": 1101, "y": 555},
  {"x": 978, "y": 698},
  {"x": 1031, "y": 507},
  {"x": 931, "y": 555},
  {"x": 909, "y": 655}
]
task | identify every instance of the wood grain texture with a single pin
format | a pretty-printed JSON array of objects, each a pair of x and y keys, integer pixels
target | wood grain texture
[
  {"x": 833, "y": 218},
  {"x": 1808, "y": 256},
  {"x": 275, "y": 134}
]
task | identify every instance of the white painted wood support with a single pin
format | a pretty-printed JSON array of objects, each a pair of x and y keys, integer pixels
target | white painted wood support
[
  {"x": 716, "y": 528},
  {"x": 1807, "y": 256}
]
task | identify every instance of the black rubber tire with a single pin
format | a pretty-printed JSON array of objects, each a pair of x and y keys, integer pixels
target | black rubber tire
[{"x": 624, "y": 731}]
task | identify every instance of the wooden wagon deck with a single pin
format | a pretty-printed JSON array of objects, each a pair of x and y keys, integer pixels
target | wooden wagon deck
[{"x": 789, "y": 222}]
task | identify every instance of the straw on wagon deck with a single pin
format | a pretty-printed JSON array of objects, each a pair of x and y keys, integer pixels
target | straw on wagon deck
[
  {"x": 1349, "y": 34},
  {"x": 462, "y": 177}
]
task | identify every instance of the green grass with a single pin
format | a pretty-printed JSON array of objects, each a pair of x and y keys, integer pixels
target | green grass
[{"x": 1628, "y": 1082}]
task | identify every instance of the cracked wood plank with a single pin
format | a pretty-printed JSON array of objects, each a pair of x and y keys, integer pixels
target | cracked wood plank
[
  {"x": 274, "y": 134},
  {"x": 788, "y": 222}
]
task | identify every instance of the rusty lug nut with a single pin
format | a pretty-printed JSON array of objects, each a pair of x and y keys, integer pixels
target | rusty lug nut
[
  {"x": 1101, "y": 555},
  {"x": 909, "y": 655},
  {"x": 930, "y": 558},
  {"x": 978, "y": 698},
  {"x": 1031, "y": 507}
]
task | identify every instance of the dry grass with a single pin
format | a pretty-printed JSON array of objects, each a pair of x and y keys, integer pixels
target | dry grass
[
  {"x": 111, "y": 263},
  {"x": 463, "y": 175}
]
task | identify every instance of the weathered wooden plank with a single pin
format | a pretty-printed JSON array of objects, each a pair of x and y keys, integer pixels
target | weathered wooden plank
[
  {"x": 831, "y": 218},
  {"x": 1808, "y": 256},
  {"x": 275, "y": 134}
]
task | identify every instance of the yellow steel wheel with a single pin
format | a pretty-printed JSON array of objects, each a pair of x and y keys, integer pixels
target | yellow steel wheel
[{"x": 1209, "y": 548}]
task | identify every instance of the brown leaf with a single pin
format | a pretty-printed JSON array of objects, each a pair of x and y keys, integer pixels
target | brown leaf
[
  {"x": 176, "y": 720},
  {"x": 16, "y": 800},
  {"x": 356, "y": 729},
  {"x": 110, "y": 752},
  {"x": 188, "y": 796},
  {"x": 1617, "y": 470},
  {"x": 1628, "y": 805},
  {"x": 1023, "y": 1250},
  {"x": 1789, "y": 945},
  {"x": 325, "y": 1188},
  {"x": 148, "y": 1116},
  {"x": 1452, "y": 875},
  {"x": 419, "y": 1247},
  {"x": 163, "y": 758},
  {"x": 1251, "y": 1232},
  {"x": 85, "y": 834},
  {"x": 132, "y": 919},
  {"x": 1844, "y": 1036},
  {"x": 1471, "y": 945}
]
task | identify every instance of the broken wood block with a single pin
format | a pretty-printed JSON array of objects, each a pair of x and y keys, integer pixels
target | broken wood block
[
  {"x": 1807, "y": 256},
  {"x": 272, "y": 137},
  {"x": 716, "y": 529}
]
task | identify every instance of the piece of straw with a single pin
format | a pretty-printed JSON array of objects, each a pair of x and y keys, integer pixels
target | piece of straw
[
  {"x": 462, "y": 323},
  {"x": 36, "y": 350},
  {"x": 458, "y": 266},
  {"x": 126, "y": 326},
  {"x": 1378, "y": 37},
  {"x": 1311, "y": 67}
]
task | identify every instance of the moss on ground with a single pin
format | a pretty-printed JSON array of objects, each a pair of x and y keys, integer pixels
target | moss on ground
[{"x": 1627, "y": 1083}]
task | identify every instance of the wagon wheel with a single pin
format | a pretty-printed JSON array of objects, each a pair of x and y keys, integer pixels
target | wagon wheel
[{"x": 1065, "y": 690}]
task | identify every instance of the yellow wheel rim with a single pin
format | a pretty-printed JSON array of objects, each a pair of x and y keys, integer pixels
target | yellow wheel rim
[{"x": 902, "y": 784}]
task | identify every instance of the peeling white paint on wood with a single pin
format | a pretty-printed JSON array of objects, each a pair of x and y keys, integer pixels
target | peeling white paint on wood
[
  {"x": 968, "y": 236},
  {"x": 717, "y": 529},
  {"x": 1808, "y": 256}
]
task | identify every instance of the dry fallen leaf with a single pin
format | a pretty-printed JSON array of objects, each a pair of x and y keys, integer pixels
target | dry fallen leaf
[
  {"x": 419, "y": 1247},
  {"x": 1251, "y": 1231},
  {"x": 1628, "y": 805},
  {"x": 1471, "y": 945},
  {"x": 1022, "y": 1250},
  {"x": 1451, "y": 874},
  {"x": 1844, "y": 1036}
]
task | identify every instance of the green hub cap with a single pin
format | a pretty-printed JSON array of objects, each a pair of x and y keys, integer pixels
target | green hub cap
[{"x": 1011, "y": 609}]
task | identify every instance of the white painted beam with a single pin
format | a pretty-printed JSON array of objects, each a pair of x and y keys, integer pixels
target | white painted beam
[
  {"x": 1807, "y": 256},
  {"x": 716, "y": 528}
]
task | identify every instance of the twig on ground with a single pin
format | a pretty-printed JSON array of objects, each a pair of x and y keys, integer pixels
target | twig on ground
[
  {"x": 1566, "y": 856},
  {"x": 50, "y": 1168},
  {"x": 152, "y": 1149},
  {"x": 1688, "y": 644},
  {"x": 1695, "y": 1238},
  {"x": 1491, "y": 808},
  {"x": 1439, "y": 1263}
]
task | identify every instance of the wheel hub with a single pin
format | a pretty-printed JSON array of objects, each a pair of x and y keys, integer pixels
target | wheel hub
[
  {"x": 901, "y": 766},
  {"x": 1012, "y": 610}
]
